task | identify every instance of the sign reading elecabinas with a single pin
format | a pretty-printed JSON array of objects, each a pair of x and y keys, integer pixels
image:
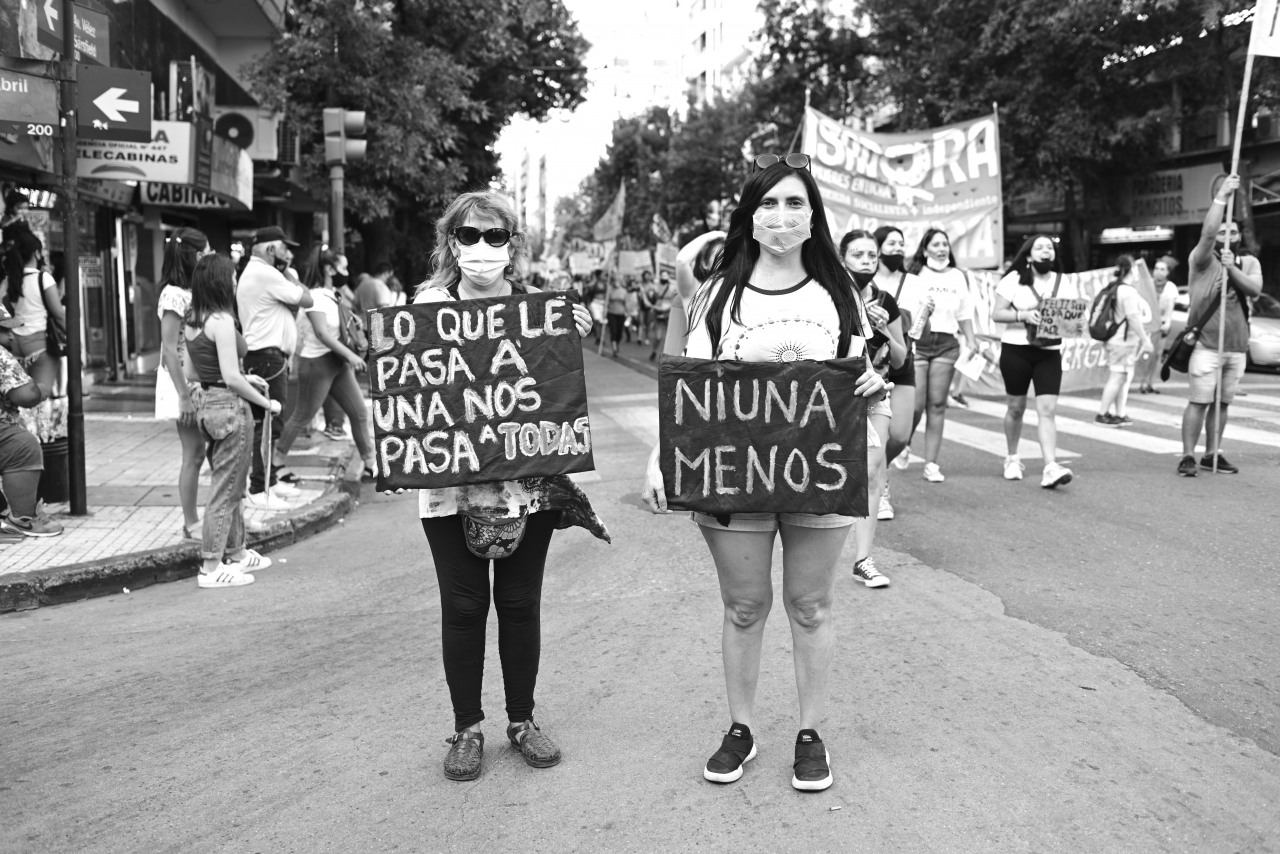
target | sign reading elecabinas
[
  {"x": 947, "y": 177},
  {"x": 776, "y": 437},
  {"x": 478, "y": 391}
]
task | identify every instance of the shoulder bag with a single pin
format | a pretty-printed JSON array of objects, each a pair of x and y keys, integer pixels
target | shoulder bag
[
  {"x": 1032, "y": 338},
  {"x": 1179, "y": 358}
]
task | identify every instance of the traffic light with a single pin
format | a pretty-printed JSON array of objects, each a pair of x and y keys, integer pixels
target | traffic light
[{"x": 339, "y": 127}]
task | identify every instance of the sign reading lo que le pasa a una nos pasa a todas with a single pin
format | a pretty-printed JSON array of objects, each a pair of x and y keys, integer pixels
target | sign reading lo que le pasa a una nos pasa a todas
[{"x": 478, "y": 391}]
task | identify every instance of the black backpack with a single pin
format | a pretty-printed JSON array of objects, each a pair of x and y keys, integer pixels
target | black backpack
[{"x": 1102, "y": 314}]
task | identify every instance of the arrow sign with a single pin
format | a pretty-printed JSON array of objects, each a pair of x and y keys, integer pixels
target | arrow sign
[
  {"x": 113, "y": 103},
  {"x": 50, "y": 15},
  {"x": 92, "y": 31}
]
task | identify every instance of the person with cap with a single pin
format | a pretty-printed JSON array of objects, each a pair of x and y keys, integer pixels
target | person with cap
[
  {"x": 266, "y": 300},
  {"x": 21, "y": 460}
]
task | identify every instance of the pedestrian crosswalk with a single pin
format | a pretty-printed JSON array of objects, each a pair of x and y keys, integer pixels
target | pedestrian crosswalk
[{"x": 1157, "y": 422}]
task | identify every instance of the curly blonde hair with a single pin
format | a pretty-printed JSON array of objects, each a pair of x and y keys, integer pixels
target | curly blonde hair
[{"x": 444, "y": 263}]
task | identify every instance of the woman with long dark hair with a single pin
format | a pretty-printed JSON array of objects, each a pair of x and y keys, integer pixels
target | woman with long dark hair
[
  {"x": 779, "y": 292},
  {"x": 182, "y": 249},
  {"x": 694, "y": 264},
  {"x": 1125, "y": 347},
  {"x": 947, "y": 311},
  {"x": 215, "y": 349},
  {"x": 326, "y": 365},
  {"x": 33, "y": 295},
  {"x": 1026, "y": 358},
  {"x": 892, "y": 278}
]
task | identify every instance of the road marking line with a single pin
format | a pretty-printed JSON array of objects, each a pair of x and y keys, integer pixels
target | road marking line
[
  {"x": 994, "y": 443},
  {"x": 1234, "y": 432},
  {"x": 1096, "y": 432},
  {"x": 648, "y": 397},
  {"x": 640, "y": 421},
  {"x": 1237, "y": 410}
]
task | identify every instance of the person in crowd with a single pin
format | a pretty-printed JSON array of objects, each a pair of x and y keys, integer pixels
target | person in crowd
[
  {"x": 1166, "y": 299},
  {"x": 373, "y": 291},
  {"x": 661, "y": 297},
  {"x": 479, "y": 254},
  {"x": 1221, "y": 247},
  {"x": 267, "y": 300},
  {"x": 182, "y": 249},
  {"x": 892, "y": 277},
  {"x": 645, "y": 293},
  {"x": 33, "y": 297},
  {"x": 1124, "y": 348},
  {"x": 1026, "y": 358},
  {"x": 326, "y": 366},
  {"x": 887, "y": 350},
  {"x": 615, "y": 313},
  {"x": 779, "y": 284},
  {"x": 944, "y": 306},
  {"x": 16, "y": 205},
  {"x": 21, "y": 459},
  {"x": 694, "y": 263},
  {"x": 215, "y": 350},
  {"x": 634, "y": 319}
]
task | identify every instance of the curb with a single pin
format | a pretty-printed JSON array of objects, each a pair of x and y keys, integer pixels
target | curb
[{"x": 62, "y": 584}]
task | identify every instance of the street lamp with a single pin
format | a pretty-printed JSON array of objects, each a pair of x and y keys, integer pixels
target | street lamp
[{"x": 340, "y": 148}]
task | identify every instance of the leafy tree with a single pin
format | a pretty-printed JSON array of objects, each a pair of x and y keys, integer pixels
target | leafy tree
[
  {"x": 706, "y": 167},
  {"x": 637, "y": 155}
]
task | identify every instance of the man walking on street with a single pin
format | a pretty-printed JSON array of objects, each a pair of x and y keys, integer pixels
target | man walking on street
[
  {"x": 266, "y": 301},
  {"x": 1219, "y": 247}
]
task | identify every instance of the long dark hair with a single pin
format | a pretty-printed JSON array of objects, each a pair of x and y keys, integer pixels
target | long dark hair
[
  {"x": 741, "y": 251},
  {"x": 181, "y": 252},
  {"x": 856, "y": 234},
  {"x": 313, "y": 271},
  {"x": 707, "y": 257},
  {"x": 884, "y": 231},
  {"x": 918, "y": 259},
  {"x": 1124, "y": 265},
  {"x": 213, "y": 290},
  {"x": 25, "y": 245},
  {"x": 1022, "y": 261}
]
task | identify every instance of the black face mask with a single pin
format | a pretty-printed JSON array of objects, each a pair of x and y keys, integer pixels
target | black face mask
[
  {"x": 1042, "y": 267},
  {"x": 893, "y": 262},
  {"x": 339, "y": 281},
  {"x": 863, "y": 279},
  {"x": 1235, "y": 249}
]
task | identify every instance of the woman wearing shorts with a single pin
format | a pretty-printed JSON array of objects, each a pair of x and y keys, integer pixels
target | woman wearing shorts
[
  {"x": 945, "y": 303},
  {"x": 1034, "y": 276},
  {"x": 887, "y": 349},
  {"x": 892, "y": 277},
  {"x": 1124, "y": 348},
  {"x": 778, "y": 293}
]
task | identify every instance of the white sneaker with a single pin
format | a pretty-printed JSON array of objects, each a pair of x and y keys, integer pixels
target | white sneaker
[
  {"x": 285, "y": 490},
  {"x": 224, "y": 577},
  {"x": 932, "y": 473},
  {"x": 902, "y": 460},
  {"x": 886, "y": 509},
  {"x": 251, "y": 562},
  {"x": 1013, "y": 468},
  {"x": 266, "y": 501},
  {"x": 1055, "y": 475}
]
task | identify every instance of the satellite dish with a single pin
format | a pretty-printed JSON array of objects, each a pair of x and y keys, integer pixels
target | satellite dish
[{"x": 235, "y": 127}]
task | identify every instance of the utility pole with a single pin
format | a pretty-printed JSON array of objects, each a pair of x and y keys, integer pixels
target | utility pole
[{"x": 71, "y": 270}]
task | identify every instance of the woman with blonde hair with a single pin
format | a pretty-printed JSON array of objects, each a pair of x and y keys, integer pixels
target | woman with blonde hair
[{"x": 479, "y": 254}]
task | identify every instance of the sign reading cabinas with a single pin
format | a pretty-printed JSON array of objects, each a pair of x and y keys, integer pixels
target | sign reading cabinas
[
  {"x": 477, "y": 391},
  {"x": 777, "y": 437}
]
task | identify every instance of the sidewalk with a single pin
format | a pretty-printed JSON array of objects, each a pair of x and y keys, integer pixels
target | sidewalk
[{"x": 133, "y": 533}]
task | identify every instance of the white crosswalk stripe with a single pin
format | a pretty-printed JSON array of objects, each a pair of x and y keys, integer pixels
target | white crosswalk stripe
[
  {"x": 1238, "y": 409},
  {"x": 994, "y": 443},
  {"x": 640, "y": 421},
  {"x": 1071, "y": 427},
  {"x": 1234, "y": 432}
]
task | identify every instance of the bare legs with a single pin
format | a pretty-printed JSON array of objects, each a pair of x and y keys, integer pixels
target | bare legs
[
  {"x": 1047, "y": 427},
  {"x": 743, "y": 561},
  {"x": 864, "y": 530},
  {"x": 189, "y": 473},
  {"x": 1197, "y": 417},
  {"x": 903, "y": 402},
  {"x": 933, "y": 384},
  {"x": 1116, "y": 392}
]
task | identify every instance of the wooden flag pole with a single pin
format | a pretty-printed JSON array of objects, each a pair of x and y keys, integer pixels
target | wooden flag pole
[{"x": 1222, "y": 312}]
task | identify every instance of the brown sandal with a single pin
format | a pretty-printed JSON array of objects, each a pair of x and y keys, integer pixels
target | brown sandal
[
  {"x": 534, "y": 745},
  {"x": 463, "y": 760}
]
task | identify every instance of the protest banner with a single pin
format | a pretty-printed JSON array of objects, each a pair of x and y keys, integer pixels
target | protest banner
[
  {"x": 947, "y": 177},
  {"x": 1063, "y": 318},
  {"x": 777, "y": 437},
  {"x": 478, "y": 391}
]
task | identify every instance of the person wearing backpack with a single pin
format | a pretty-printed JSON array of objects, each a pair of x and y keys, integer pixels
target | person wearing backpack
[
  {"x": 1026, "y": 358},
  {"x": 1116, "y": 318},
  {"x": 328, "y": 360},
  {"x": 892, "y": 278},
  {"x": 1219, "y": 248}
]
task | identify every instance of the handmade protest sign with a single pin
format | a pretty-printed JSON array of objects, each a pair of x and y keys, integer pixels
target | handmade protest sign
[
  {"x": 1063, "y": 318},
  {"x": 778, "y": 437},
  {"x": 477, "y": 391}
]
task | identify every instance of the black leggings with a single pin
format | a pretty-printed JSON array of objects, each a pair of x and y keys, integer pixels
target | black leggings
[
  {"x": 464, "y": 609},
  {"x": 1020, "y": 364}
]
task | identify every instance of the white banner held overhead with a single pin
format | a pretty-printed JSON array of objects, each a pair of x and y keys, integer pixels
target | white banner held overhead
[{"x": 1265, "y": 37}]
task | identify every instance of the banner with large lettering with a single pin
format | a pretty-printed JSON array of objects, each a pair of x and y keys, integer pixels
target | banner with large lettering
[
  {"x": 947, "y": 177},
  {"x": 478, "y": 391},
  {"x": 777, "y": 437}
]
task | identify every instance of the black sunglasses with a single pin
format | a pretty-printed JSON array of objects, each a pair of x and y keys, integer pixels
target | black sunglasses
[
  {"x": 795, "y": 161},
  {"x": 469, "y": 235}
]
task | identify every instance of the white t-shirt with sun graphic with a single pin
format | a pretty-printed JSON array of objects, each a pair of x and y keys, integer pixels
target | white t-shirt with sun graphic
[{"x": 800, "y": 322}]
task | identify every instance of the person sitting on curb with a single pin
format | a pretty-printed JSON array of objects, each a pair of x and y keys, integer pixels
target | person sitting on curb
[{"x": 21, "y": 460}]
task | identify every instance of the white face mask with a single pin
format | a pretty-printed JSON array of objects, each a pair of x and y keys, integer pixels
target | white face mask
[
  {"x": 483, "y": 264},
  {"x": 936, "y": 264},
  {"x": 781, "y": 234}
]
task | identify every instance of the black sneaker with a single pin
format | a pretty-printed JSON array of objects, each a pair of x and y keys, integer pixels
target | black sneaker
[
  {"x": 1122, "y": 421},
  {"x": 1106, "y": 419},
  {"x": 737, "y": 749},
  {"x": 812, "y": 768},
  {"x": 1224, "y": 467},
  {"x": 1187, "y": 468}
]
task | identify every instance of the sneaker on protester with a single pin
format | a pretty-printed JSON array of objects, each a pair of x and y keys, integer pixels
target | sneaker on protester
[
  {"x": 252, "y": 561},
  {"x": 30, "y": 526},
  {"x": 1106, "y": 419},
  {"x": 266, "y": 501},
  {"x": 736, "y": 749},
  {"x": 1224, "y": 467},
  {"x": 224, "y": 576},
  {"x": 932, "y": 473},
  {"x": 866, "y": 572},
  {"x": 1187, "y": 467},
  {"x": 280, "y": 489},
  {"x": 903, "y": 460},
  {"x": 812, "y": 768},
  {"x": 1122, "y": 421},
  {"x": 1055, "y": 475},
  {"x": 1013, "y": 468},
  {"x": 885, "y": 513}
]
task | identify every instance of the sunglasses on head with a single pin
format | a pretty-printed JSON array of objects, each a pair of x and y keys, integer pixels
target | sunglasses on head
[
  {"x": 795, "y": 161},
  {"x": 469, "y": 235}
]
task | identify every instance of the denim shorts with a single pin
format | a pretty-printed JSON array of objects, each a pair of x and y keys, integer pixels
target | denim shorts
[
  {"x": 768, "y": 522},
  {"x": 938, "y": 347}
]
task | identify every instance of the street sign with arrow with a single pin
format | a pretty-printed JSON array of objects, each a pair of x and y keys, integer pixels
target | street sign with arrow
[
  {"x": 92, "y": 31},
  {"x": 113, "y": 103}
]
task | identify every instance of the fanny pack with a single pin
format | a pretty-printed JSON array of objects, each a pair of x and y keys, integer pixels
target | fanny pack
[{"x": 493, "y": 538}]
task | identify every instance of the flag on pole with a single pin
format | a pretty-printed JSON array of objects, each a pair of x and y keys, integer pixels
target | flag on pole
[
  {"x": 1265, "y": 37},
  {"x": 609, "y": 226}
]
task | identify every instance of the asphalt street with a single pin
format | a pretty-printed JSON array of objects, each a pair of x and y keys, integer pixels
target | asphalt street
[{"x": 1087, "y": 669}]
